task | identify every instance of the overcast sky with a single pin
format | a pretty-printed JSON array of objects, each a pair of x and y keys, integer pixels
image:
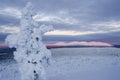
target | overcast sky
[{"x": 73, "y": 20}]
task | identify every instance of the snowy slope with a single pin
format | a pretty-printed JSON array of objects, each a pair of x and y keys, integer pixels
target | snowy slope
[{"x": 74, "y": 64}]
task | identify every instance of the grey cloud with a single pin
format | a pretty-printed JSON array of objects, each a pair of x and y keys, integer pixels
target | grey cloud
[
  {"x": 88, "y": 7},
  {"x": 8, "y": 20},
  {"x": 108, "y": 8},
  {"x": 2, "y": 37},
  {"x": 87, "y": 12},
  {"x": 12, "y": 3},
  {"x": 112, "y": 38},
  {"x": 80, "y": 8}
]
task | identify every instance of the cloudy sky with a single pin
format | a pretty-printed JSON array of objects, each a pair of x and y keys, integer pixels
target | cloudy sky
[{"x": 73, "y": 20}]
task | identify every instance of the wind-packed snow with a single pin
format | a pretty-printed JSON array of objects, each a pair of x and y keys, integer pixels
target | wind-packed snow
[
  {"x": 30, "y": 52},
  {"x": 74, "y": 64}
]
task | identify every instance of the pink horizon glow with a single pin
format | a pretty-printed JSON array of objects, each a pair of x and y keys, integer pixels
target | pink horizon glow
[
  {"x": 3, "y": 45},
  {"x": 93, "y": 43}
]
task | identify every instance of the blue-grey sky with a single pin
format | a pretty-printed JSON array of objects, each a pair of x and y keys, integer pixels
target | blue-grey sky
[{"x": 73, "y": 20}]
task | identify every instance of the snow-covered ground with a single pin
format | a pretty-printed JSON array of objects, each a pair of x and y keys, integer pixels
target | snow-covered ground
[{"x": 74, "y": 64}]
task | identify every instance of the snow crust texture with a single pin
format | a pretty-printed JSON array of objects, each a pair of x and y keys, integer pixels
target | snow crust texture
[{"x": 73, "y": 64}]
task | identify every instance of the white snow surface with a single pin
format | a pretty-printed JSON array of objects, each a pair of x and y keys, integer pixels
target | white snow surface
[{"x": 73, "y": 64}]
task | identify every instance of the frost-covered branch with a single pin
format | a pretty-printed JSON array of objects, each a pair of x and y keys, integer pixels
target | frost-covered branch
[{"x": 30, "y": 52}]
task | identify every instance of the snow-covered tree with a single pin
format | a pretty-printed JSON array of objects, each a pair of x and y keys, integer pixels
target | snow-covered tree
[{"x": 30, "y": 52}]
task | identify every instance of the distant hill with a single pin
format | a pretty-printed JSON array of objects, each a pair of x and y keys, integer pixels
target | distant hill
[
  {"x": 117, "y": 46},
  {"x": 7, "y": 50},
  {"x": 6, "y": 53},
  {"x": 75, "y": 46}
]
